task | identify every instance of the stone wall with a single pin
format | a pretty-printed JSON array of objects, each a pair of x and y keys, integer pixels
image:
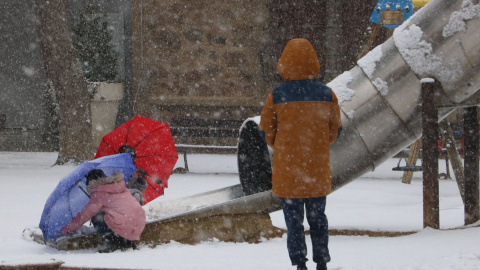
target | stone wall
[{"x": 201, "y": 54}]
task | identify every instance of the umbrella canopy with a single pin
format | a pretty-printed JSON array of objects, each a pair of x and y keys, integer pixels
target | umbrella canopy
[
  {"x": 70, "y": 195},
  {"x": 154, "y": 148}
]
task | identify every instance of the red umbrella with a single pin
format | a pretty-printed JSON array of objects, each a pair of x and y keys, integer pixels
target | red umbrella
[{"x": 154, "y": 148}]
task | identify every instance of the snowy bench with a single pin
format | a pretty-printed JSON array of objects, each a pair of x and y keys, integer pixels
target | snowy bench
[{"x": 190, "y": 129}]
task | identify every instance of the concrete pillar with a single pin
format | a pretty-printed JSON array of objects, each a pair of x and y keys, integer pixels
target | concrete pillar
[{"x": 104, "y": 106}]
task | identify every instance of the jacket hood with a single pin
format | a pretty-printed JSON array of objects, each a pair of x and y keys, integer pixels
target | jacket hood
[
  {"x": 116, "y": 178},
  {"x": 298, "y": 61}
]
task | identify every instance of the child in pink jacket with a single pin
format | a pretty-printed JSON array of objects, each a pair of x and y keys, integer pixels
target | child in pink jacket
[{"x": 124, "y": 218}]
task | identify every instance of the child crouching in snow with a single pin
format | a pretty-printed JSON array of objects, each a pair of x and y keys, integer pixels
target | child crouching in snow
[{"x": 124, "y": 218}]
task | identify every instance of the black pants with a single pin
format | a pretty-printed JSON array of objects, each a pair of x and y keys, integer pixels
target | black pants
[{"x": 99, "y": 224}]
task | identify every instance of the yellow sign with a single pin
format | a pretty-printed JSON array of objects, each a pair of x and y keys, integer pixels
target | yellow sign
[
  {"x": 391, "y": 17},
  {"x": 420, "y": 3}
]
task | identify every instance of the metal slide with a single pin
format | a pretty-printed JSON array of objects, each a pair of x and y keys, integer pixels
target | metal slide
[{"x": 380, "y": 102}]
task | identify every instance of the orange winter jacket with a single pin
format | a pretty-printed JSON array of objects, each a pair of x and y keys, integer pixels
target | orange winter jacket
[{"x": 300, "y": 119}]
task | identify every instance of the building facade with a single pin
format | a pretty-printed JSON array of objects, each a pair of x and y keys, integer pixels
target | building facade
[
  {"x": 190, "y": 59},
  {"x": 217, "y": 59}
]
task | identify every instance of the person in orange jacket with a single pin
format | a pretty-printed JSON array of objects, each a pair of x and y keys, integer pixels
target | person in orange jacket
[{"x": 300, "y": 119}]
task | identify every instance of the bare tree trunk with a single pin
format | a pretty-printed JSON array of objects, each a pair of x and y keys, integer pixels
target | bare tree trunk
[{"x": 68, "y": 80}]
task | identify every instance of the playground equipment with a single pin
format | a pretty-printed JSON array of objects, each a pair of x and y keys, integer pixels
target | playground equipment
[
  {"x": 381, "y": 105},
  {"x": 382, "y": 114},
  {"x": 381, "y": 97}
]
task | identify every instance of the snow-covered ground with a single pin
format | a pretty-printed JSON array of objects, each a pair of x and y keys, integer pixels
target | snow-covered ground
[{"x": 378, "y": 201}]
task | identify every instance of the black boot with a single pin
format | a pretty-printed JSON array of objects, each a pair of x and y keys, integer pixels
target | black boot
[
  {"x": 126, "y": 244},
  {"x": 321, "y": 266},
  {"x": 112, "y": 241},
  {"x": 302, "y": 266}
]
